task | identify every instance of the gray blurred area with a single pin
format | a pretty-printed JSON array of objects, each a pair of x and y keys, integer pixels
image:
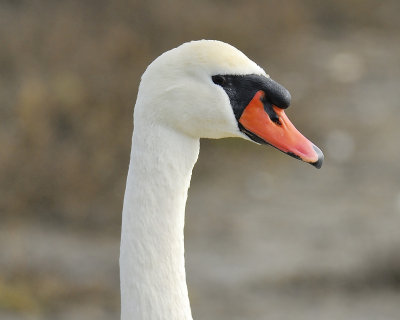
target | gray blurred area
[{"x": 267, "y": 237}]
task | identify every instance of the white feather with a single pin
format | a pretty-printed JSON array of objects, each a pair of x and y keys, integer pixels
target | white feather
[{"x": 177, "y": 104}]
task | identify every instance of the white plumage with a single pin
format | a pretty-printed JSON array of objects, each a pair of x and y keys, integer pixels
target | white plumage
[{"x": 178, "y": 103}]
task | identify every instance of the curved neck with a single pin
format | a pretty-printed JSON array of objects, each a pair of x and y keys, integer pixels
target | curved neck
[{"x": 152, "y": 265}]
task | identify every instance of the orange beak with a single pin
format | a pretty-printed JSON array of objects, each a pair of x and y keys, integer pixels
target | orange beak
[{"x": 280, "y": 133}]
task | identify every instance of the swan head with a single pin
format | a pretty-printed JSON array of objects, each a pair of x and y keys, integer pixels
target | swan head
[{"x": 210, "y": 89}]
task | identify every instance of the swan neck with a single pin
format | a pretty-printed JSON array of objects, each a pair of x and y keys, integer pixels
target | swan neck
[{"x": 152, "y": 265}]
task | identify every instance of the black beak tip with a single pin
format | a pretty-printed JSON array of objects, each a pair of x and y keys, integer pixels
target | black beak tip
[{"x": 320, "y": 160}]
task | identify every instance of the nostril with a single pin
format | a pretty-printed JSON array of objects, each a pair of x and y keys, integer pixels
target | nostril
[
  {"x": 275, "y": 119},
  {"x": 268, "y": 108}
]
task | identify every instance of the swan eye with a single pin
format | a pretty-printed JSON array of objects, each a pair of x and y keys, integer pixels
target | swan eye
[{"x": 219, "y": 80}]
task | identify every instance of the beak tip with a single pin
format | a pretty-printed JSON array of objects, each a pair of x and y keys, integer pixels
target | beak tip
[{"x": 320, "y": 160}]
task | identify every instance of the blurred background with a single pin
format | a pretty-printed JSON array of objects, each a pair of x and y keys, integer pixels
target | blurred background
[{"x": 267, "y": 237}]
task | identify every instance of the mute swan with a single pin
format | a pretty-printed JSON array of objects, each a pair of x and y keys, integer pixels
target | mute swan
[{"x": 201, "y": 89}]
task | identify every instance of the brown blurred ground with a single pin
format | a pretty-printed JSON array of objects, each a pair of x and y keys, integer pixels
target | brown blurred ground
[{"x": 267, "y": 237}]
